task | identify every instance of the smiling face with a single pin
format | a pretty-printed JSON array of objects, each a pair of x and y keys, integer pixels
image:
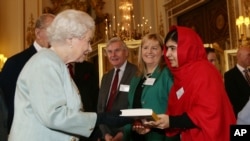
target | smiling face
[
  {"x": 151, "y": 53},
  {"x": 117, "y": 54},
  {"x": 81, "y": 47},
  {"x": 172, "y": 53}
]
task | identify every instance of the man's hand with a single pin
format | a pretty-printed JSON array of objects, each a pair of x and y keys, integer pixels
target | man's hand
[
  {"x": 108, "y": 137},
  {"x": 117, "y": 137}
]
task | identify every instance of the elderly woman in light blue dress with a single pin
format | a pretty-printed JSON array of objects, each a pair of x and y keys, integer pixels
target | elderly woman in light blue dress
[
  {"x": 47, "y": 102},
  {"x": 244, "y": 114}
]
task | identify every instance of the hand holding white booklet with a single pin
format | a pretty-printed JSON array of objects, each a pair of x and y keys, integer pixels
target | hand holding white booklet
[{"x": 147, "y": 114}]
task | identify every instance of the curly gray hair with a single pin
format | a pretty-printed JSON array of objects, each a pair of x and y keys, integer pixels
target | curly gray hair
[{"x": 70, "y": 24}]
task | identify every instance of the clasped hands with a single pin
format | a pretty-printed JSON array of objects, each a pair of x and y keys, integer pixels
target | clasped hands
[{"x": 142, "y": 126}]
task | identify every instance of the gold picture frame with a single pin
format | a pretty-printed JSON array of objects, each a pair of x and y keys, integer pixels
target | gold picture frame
[
  {"x": 230, "y": 58},
  {"x": 103, "y": 62}
]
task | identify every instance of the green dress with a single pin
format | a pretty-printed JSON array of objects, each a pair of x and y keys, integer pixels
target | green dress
[{"x": 153, "y": 96}]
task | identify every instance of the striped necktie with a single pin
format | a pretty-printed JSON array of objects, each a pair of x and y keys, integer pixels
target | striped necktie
[{"x": 246, "y": 72}]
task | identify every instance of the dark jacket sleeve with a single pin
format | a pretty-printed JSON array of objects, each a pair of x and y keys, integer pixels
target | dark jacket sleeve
[
  {"x": 3, "y": 119},
  {"x": 182, "y": 121}
]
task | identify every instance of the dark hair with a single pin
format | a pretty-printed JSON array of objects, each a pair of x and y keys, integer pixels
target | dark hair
[
  {"x": 172, "y": 35},
  {"x": 209, "y": 49}
]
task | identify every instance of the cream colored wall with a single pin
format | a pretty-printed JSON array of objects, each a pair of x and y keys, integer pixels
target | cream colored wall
[
  {"x": 32, "y": 10},
  {"x": 11, "y": 27},
  {"x": 15, "y": 16}
]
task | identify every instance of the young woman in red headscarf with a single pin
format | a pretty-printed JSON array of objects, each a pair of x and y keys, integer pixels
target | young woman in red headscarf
[{"x": 198, "y": 106}]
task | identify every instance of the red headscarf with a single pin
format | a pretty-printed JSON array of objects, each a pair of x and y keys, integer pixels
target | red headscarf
[{"x": 198, "y": 90}]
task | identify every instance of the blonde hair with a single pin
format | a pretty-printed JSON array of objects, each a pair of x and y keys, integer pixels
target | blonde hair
[{"x": 141, "y": 64}]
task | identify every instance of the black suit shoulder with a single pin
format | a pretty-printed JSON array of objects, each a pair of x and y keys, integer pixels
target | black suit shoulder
[
  {"x": 24, "y": 56},
  {"x": 232, "y": 71},
  {"x": 9, "y": 76},
  {"x": 17, "y": 61},
  {"x": 234, "y": 76},
  {"x": 3, "y": 118},
  {"x": 86, "y": 79},
  {"x": 237, "y": 88},
  {"x": 14, "y": 64}
]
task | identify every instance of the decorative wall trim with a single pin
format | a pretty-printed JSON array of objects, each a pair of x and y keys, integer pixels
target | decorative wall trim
[
  {"x": 233, "y": 12},
  {"x": 173, "y": 8},
  {"x": 31, "y": 11},
  {"x": 93, "y": 8},
  {"x": 30, "y": 30},
  {"x": 103, "y": 63}
]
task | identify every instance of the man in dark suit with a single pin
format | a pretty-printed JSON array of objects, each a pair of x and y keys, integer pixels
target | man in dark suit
[
  {"x": 14, "y": 64},
  {"x": 85, "y": 76},
  {"x": 117, "y": 53},
  {"x": 86, "y": 79},
  {"x": 236, "y": 84},
  {"x": 3, "y": 118}
]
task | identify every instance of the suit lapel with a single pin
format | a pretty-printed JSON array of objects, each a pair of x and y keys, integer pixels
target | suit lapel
[
  {"x": 127, "y": 71},
  {"x": 240, "y": 76},
  {"x": 124, "y": 79},
  {"x": 107, "y": 85}
]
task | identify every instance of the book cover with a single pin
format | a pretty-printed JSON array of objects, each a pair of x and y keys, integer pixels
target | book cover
[{"x": 147, "y": 114}]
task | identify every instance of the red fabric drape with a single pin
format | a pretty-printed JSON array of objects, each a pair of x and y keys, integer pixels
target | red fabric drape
[{"x": 204, "y": 98}]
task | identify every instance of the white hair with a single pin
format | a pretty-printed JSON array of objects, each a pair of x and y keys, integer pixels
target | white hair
[{"x": 70, "y": 24}]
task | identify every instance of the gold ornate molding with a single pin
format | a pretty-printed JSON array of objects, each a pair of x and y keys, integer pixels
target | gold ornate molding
[
  {"x": 103, "y": 62},
  {"x": 233, "y": 10},
  {"x": 30, "y": 33},
  {"x": 161, "y": 27},
  {"x": 92, "y": 7},
  {"x": 60, "y": 5},
  {"x": 176, "y": 7},
  {"x": 230, "y": 58}
]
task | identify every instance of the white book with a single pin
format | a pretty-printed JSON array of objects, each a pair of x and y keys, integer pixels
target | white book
[{"x": 147, "y": 114}]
